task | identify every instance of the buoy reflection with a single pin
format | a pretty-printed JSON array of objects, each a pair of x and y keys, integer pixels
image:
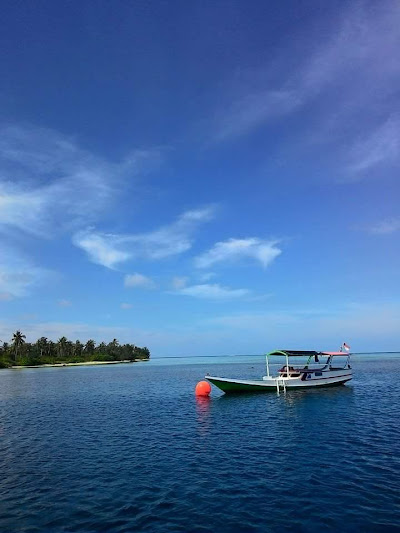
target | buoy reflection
[{"x": 203, "y": 409}]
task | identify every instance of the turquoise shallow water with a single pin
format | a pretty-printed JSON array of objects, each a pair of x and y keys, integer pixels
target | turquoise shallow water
[{"x": 129, "y": 448}]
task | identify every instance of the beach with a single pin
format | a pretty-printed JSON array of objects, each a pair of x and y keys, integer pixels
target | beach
[{"x": 86, "y": 363}]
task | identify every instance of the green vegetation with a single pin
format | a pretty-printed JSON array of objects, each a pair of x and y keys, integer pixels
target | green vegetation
[{"x": 43, "y": 351}]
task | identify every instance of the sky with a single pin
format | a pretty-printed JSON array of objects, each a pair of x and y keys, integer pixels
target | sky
[{"x": 201, "y": 178}]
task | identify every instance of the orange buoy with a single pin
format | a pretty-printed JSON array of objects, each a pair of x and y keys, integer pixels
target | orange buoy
[{"x": 203, "y": 388}]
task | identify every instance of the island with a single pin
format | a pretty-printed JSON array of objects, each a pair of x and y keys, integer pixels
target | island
[{"x": 44, "y": 352}]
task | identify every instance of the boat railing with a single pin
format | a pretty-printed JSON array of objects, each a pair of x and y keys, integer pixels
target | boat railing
[
  {"x": 294, "y": 366},
  {"x": 315, "y": 367}
]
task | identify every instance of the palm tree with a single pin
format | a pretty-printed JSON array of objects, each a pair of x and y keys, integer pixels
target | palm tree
[
  {"x": 90, "y": 346},
  {"x": 113, "y": 349},
  {"x": 62, "y": 344},
  {"x": 69, "y": 348},
  {"x": 42, "y": 345},
  {"x": 102, "y": 348},
  {"x": 52, "y": 350},
  {"x": 78, "y": 347},
  {"x": 18, "y": 340}
]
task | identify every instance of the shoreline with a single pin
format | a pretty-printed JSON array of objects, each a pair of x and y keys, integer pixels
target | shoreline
[{"x": 85, "y": 363}]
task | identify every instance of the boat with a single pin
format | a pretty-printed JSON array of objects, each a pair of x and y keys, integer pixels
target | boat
[{"x": 320, "y": 369}]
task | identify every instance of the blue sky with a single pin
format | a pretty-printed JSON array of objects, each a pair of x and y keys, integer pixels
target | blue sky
[{"x": 201, "y": 178}]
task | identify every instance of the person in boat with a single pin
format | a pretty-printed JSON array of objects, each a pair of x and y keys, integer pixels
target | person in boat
[{"x": 285, "y": 369}]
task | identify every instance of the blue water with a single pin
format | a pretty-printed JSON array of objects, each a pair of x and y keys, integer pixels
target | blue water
[{"x": 128, "y": 448}]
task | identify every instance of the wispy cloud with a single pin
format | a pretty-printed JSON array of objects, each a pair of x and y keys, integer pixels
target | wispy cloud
[
  {"x": 54, "y": 330},
  {"x": 18, "y": 275},
  {"x": 137, "y": 280},
  {"x": 40, "y": 174},
  {"x": 255, "y": 109},
  {"x": 161, "y": 341},
  {"x": 365, "y": 327},
  {"x": 49, "y": 183},
  {"x": 235, "y": 249},
  {"x": 64, "y": 303},
  {"x": 179, "y": 282},
  {"x": 23, "y": 210},
  {"x": 386, "y": 227},
  {"x": 110, "y": 250},
  {"x": 362, "y": 44},
  {"x": 371, "y": 327},
  {"x": 6, "y": 296},
  {"x": 380, "y": 146},
  {"x": 126, "y": 306},
  {"x": 355, "y": 67},
  {"x": 212, "y": 292},
  {"x": 206, "y": 276}
]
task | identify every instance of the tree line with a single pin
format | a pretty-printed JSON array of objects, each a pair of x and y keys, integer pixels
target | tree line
[{"x": 45, "y": 351}]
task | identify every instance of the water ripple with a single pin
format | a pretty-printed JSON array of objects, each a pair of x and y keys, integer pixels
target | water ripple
[{"x": 119, "y": 449}]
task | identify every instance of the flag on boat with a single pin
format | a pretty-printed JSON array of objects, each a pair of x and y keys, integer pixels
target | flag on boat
[{"x": 346, "y": 347}]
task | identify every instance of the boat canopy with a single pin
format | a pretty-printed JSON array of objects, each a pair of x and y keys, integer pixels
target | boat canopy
[{"x": 304, "y": 353}]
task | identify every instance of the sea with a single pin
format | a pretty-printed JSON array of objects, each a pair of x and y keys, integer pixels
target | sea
[{"x": 129, "y": 448}]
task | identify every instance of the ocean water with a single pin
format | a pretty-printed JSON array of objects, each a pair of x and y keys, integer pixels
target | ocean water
[{"x": 129, "y": 448}]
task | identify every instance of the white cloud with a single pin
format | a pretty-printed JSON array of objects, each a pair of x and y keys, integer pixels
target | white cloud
[
  {"x": 213, "y": 292},
  {"x": 192, "y": 216},
  {"x": 125, "y": 305},
  {"x": 138, "y": 280},
  {"x": 386, "y": 227},
  {"x": 101, "y": 248},
  {"x": 234, "y": 249},
  {"x": 173, "y": 239},
  {"x": 176, "y": 238}
]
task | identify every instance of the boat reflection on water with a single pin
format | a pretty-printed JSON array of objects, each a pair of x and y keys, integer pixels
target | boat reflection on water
[
  {"x": 294, "y": 405},
  {"x": 292, "y": 397},
  {"x": 298, "y": 396}
]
